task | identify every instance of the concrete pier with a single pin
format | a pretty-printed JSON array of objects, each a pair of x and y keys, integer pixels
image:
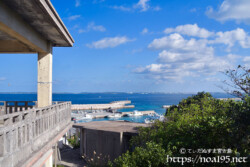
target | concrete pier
[
  {"x": 112, "y": 105},
  {"x": 143, "y": 112},
  {"x": 106, "y": 114}
]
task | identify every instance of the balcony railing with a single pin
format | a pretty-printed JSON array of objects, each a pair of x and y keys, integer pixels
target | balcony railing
[
  {"x": 25, "y": 132},
  {"x": 8, "y": 107}
]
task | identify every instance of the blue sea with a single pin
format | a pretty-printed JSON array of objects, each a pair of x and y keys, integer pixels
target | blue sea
[{"x": 142, "y": 101}]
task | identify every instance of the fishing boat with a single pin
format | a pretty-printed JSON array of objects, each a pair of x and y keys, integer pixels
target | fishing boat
[
  {"x": 161, "y": 118},
  {"x": 80, "y": 116},
  {"x": 135, "y": 113},
  {"x": 149, "y": 120},
  {"x": 116, "y": 115},
  {"x": 87, "y": 116}
]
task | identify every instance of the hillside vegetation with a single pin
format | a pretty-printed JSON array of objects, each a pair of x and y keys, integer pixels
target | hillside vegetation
[{"x": 195, "y": 127}]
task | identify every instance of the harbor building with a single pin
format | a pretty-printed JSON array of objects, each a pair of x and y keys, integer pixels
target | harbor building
[
  {"x": 29, "y": 131},
  {"x": 106, "y": 139}
]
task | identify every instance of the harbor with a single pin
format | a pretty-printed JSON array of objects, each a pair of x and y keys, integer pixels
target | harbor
[{"x": 108, "y": 111}]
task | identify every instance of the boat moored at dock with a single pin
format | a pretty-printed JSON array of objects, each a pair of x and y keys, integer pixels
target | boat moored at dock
[
  {"x": 115, "y": 115},
  {"x": 135, "y": 114}
]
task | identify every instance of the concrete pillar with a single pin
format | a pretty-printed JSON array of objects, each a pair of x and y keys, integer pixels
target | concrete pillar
[{"x": 44, "y": 85}]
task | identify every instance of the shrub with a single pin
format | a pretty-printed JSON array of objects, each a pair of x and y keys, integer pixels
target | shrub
[
  {"x": 74, "y": 141},
  {"x": 151, "y": 155},
  {"x": 97, "y": 160}
]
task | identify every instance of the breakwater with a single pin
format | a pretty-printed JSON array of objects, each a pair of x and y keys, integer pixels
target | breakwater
[
  {"x": 111, "y": 105},
  {"x": 123, "y": 114}
]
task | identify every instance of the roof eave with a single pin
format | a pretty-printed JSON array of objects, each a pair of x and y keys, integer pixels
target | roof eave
[{"x": 50, "y": 10}]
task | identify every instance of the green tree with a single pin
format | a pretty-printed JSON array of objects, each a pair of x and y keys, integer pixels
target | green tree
[{"x": 239, "y": 82}]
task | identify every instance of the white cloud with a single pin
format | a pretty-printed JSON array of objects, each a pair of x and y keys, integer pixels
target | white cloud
[
  {"x": 237, "y": 10},
  {"x": 144, "y": 31},
  {"x": 2, "y": 78},
  {"x": 169, "y": 56},
  {"x": 212, "y": 79},
  {"x": 246, "y": 61},
  {"x": 81, "y": 31},
  {"x": 229, "y": 38},
  {"x": 98, "y": 1},
  {"x": 122, "y": 8},
  {"x": 177, "y": 42},
  {"x": 157, "y": 8},
  {"x": 180, "y": 58},
  {"x": 74, "y": 17},
  {"x": 109, "y": 42},
  {"x": 136, "y": 50},
  {"x": 180, "y": 65},
  {"x": 193, "y": 10},
  {"x": 92, "y": 27},
  {"x": 233, "y": 57},
  {"x": 142, "y": 5},
  {"x": 190, "y": 30},
  {"x": 183, "y": 56},
  {"x": 78, "y": 3}
]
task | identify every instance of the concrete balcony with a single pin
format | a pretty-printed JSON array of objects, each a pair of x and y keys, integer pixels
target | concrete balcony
[{"x": 27, "y": 132}]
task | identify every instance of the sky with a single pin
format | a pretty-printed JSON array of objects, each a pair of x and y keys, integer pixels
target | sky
[{"x": 140, "y": 46}]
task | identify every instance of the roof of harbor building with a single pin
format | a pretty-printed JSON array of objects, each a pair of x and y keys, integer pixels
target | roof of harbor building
[{"x": 114, "y": 126}]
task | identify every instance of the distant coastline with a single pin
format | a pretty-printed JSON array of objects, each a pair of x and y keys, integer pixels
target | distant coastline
[{"x": 115, "y": 93}]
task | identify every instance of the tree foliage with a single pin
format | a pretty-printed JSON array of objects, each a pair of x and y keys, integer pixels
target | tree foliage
[
  {"x": 151, "y": 155},
  {"x": 197, "y": 122},
  {"x": 239, "y": 82},
  {"x": 74, "y": 141}
]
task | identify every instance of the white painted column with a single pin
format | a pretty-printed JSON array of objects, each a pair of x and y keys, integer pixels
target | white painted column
[{"x": 44, "y": 84}]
